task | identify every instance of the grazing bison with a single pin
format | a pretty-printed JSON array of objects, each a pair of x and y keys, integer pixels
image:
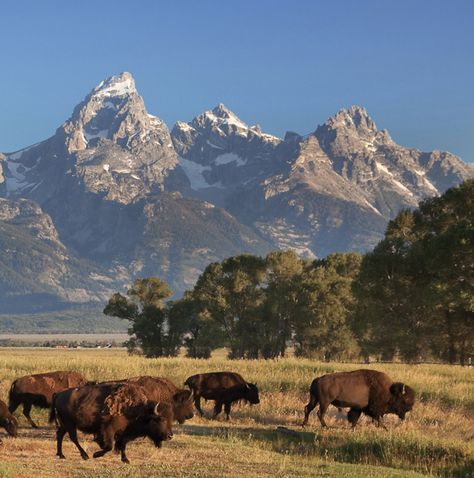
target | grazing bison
[
  {"x": 364, "y": 391},
  {"x": 224, "y": 388},
  {"x": 162, "y": 389},
  {"x": 115, "y": 413},
  {"x": 39, "y": 389},
  {"x": 7, "y": 420}
]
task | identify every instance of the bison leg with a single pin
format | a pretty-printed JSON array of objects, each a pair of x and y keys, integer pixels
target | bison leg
[
  {"x": 227, "y": 407},
  {"x": 60, "y": 432},
  {"x": 322, "y": 410},
  {"x": 26, "y": 411},
  {"x": 197, "y": 404},
  {"x": 379, "y": 422},
  {"x": 73, "y": 436},
  {"x": 313, "y": 401},
  {"x": 120, "y": 445},
  {"x": 353, "y": 416},
  {"x": 108, "y": 434},
  {"x": 217, "y": 408}
]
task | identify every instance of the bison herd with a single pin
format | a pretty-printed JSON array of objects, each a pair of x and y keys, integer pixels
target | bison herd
[{"x": 117, "y": 412}]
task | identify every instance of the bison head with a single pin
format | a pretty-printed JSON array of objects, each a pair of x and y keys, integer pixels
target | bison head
[
  {"x": 10, "y": 424},
  {"x": 158, "y": 423},
  {"x": 251, "y": 393},
  {"x": 183, "y": 405},
  {"x": 403, "y": 399}
]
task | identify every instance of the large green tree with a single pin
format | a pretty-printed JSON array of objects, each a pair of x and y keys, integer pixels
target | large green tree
[
  {"x": 144, "y": 308},
  {"x": 416, "y": 289}
]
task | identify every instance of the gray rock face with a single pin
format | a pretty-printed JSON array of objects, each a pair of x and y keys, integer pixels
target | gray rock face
[
  {"x": 36, "y": 266},
  {"x": 122, "y": 197},
  {"x": 332, "y": 190}
]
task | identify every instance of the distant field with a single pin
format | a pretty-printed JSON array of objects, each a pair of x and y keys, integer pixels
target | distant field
[
  {"x": 435, "y": 440},
  {"x": 35, "y": 338}
]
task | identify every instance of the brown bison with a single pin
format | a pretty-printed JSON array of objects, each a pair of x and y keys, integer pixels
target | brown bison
[
  {"x": 115, "y": 413},
  {"x": 224, "y": 388},
  {"x": 38, "y": 390},
  {"x": 364, "y": 391},
  {"x": 163, "y": 389},
  {"x": 7, "y": 420}
]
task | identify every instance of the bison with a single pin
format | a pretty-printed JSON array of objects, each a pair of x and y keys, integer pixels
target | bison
[
  {"x": 115, "y": 413},
  {"x": 224, "y": 388},
  {"x": 7, "y": 420},
  {"x": 39, "y": 389},
  {"x": 163, "y": 389},
  {"x": 363, "y": 391}
]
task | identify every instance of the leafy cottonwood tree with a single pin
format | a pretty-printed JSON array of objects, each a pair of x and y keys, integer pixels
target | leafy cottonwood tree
[{"x": 145, "y": 310}]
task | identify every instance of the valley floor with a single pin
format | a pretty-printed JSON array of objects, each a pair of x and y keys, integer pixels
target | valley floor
[{"x": 435, "y": 440}]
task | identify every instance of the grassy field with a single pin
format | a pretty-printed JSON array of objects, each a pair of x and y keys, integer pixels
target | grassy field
[{"x": 437, "y": 439}]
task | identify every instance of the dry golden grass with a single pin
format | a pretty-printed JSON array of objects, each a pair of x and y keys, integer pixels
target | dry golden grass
[{"x": 436, "y": 439}]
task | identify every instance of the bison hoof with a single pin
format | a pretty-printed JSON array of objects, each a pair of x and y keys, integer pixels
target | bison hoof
[
  {"x": 85, "y": 456},
  {"x": 126, "y": 460},
  {"x": 61, "y": 457}
]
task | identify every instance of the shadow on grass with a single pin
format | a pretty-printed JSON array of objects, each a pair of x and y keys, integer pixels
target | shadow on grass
[{"x": 377, "y": 447}]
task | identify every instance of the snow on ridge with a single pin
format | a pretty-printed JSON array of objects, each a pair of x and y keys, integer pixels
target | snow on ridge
[
  {"x": 194, "y": 172},
  {"x": 227, "y": 158},
  {"x": 103, "y": 133},
  {"x": 115, "y": 88}
]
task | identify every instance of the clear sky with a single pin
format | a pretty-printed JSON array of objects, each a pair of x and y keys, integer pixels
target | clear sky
[{"x": 286, "y": 65}]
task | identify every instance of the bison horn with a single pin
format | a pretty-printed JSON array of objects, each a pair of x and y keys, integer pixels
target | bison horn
[
  {"x": 155, "y": 410},
  {"x": 403, "y": 389}
]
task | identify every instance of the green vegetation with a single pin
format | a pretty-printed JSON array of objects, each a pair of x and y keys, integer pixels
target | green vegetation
[{"x": 411, "y": 298}]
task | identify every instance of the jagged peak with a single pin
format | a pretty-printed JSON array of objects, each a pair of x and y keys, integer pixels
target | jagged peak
[
  {"x": 118, "y": 85},
  {"x": 355, "y": 117}
]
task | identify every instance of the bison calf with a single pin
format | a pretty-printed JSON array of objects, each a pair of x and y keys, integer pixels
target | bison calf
[
  {"x": 225, "y": 388},
  {"x": 7, "y": 420},
  {"x": 363, "y": 391},
  {"x": 38, "y": 390}
]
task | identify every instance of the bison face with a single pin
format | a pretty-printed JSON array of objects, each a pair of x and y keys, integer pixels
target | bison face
[
  {"x": 252, "y": 394},
  {"x": 158, "y": 424},
  {"x": 11, "y": 425},
  {"x": 403, "y": 399},
  {"x": 183, "y": 406}
]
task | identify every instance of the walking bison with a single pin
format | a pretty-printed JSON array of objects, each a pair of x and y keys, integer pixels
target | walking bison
[
  {"x": 38, "y": 390},
  {"x": 164, "y": 390},
  {"x": 225, "y": 388},
  {"x": 115, "y": 413},
  {"x": 363, "y": 391}
]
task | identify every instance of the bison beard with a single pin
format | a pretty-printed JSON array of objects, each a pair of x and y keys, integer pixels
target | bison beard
[
  {"x": 363, "y": 391},
  {"x": 115, "y": 413}
]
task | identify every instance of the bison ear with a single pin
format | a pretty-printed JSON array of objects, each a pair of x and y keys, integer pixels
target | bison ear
[
  {"x": 182, "y": 396},
  {"x": 397, "y": 389}
]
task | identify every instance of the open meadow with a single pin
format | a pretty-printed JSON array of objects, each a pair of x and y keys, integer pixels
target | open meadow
[{"x": 436, "y": 439}]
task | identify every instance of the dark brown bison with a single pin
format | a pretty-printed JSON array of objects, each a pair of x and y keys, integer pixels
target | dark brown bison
[
  {"x": 115, "y": 413},
  {"x": 224, "y": 388},
  {"x": 38, "y": 390},
  {"x": 7, "y": 420},
  {"x": 163, "y": 389},
  {"x": 363, "y": 391}
]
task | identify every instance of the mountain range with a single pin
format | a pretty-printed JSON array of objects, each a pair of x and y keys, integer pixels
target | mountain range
[{"x": 114, "y": 195}]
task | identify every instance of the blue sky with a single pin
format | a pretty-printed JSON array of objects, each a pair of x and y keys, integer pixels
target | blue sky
[{"x": 286, "y": 65}]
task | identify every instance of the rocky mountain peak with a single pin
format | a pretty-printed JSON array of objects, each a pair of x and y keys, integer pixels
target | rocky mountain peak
[{"x": 118, "y": 85}]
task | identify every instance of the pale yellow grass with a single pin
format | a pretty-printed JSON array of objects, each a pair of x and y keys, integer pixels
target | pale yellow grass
[{"x": 437, "y": 437}]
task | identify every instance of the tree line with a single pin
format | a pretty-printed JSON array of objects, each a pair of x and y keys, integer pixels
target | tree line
[{"x": 412, "y": 297}]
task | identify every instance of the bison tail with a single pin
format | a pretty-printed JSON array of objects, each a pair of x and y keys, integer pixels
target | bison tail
[
  {"x": 12, "y": 399},
  {"x": 189, "y": 383},
  {"x": 52, "y": 412}
]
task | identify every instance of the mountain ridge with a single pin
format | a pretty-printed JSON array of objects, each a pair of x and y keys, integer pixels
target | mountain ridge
[{"x": 131, "y": 197}]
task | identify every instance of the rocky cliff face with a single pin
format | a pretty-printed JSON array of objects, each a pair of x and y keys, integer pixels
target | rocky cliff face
[
  {"x": 122, "y": 197},
  {"x": 36, "y": 269}
]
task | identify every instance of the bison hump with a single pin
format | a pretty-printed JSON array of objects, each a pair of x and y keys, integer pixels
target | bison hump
[{"x": 124, "y": 399}]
